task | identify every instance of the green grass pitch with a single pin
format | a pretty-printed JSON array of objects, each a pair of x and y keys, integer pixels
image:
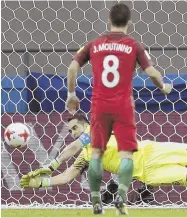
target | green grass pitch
[{"x": 88, "y": 213}]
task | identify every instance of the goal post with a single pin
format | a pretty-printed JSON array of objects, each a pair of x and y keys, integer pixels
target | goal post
[{"x": 39, "y": 39}]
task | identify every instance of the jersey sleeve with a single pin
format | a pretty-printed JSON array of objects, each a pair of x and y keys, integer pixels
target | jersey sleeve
[
  {"x": 83, "y": 54},
  {"x": 85, "y": 137},
  {"x": 81, "y": 163},
  {"x": 142, "y": 56}
]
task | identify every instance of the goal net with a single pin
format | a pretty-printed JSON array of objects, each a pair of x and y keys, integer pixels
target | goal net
[{"x": 38, "y": 41}]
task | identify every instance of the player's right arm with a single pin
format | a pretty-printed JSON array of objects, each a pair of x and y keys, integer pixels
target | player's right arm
[
  {"x": 75, "y": 170},
  {"x": 156, "y": 78},
  {"x": 144, "y": 61},
  {"x": 72, "y": 172},
  {"x": 68, "y": 152},
  {"x": 38, "y": 181}
]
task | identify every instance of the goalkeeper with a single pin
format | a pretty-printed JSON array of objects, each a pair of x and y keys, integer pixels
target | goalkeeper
[{"x": 155, "y": 163}]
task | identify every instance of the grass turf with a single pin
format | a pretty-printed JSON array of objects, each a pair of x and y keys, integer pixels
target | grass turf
[{"x": 88, "y": 213}]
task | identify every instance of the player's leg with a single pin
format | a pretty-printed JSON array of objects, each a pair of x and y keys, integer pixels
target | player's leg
[
  {"x": 94, "y": 178},
  {"x": 125, "y": 132},
  {"x": 125, "y": 177},
  {"x": 167, "y": 175},
  {"x": 165, "y": 153},
  {"x": 100, "y": 132}
]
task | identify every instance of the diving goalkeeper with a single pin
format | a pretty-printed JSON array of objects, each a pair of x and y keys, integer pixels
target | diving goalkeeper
[{"x": 155, "y": 163}]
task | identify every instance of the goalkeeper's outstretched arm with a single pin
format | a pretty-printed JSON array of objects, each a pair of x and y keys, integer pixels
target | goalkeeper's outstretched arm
[
  {"x": 65, "y": 177},
  {"x": 68, "y": 152},
  {"x": 38, "y": 181},
  {"x": 72, "y": 172}
]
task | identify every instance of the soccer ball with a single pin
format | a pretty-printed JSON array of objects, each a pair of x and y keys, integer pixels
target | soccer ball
[{"x": 17, "y": 135}]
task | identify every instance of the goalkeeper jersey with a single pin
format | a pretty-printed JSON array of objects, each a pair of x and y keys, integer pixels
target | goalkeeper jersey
[
  {"x": 85, "y": 137},
  {"x": 110, "y": 160},
  {"x": 150, "y": 155}
]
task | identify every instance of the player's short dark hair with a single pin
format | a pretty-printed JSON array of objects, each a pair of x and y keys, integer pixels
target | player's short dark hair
[
  {"x": 120, "y": 14},
  {"x": 80, "y": 117}
]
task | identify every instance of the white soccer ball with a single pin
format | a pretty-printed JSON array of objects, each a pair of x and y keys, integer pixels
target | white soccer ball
[{"x": 17, "y": 135}]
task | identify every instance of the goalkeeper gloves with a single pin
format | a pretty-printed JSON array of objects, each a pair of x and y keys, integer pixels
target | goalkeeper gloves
[
  {"x": 45, "y": 171},
  {"x": 34, "y": 182}
]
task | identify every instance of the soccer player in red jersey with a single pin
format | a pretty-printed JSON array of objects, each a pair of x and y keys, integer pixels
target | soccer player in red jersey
[{"x": 113, "y": 57}]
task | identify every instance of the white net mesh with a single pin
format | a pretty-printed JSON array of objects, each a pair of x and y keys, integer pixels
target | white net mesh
[{"x": 38, "y": 41}]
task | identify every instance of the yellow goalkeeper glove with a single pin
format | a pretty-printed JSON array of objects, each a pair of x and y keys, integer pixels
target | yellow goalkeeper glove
[
  {"x": 34, "y": 182},
  {"x": 45, "y": 171},
  {"x": 40, "y": 171}
]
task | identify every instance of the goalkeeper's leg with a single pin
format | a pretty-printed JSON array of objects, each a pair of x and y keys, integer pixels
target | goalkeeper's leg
[{"x": 172, "y": 174}]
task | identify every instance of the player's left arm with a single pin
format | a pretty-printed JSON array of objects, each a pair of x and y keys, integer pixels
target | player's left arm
[
  {"x": 73, "y": 69},
  {"x": 82, "y": 57},
  {"x": 68, "y": 152}
]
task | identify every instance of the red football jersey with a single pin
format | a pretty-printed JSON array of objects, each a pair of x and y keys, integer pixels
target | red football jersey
[{"x": 113, "y": 57}]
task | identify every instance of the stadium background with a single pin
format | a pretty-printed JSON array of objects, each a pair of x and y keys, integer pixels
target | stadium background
[{"x": 38, "y": 41}]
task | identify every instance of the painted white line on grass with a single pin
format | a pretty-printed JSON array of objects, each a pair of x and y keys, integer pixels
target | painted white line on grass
[{"x": 93, "y": 217}]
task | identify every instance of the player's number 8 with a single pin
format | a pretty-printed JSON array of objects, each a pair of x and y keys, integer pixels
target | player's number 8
[{"x": 110, "y": 69}]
